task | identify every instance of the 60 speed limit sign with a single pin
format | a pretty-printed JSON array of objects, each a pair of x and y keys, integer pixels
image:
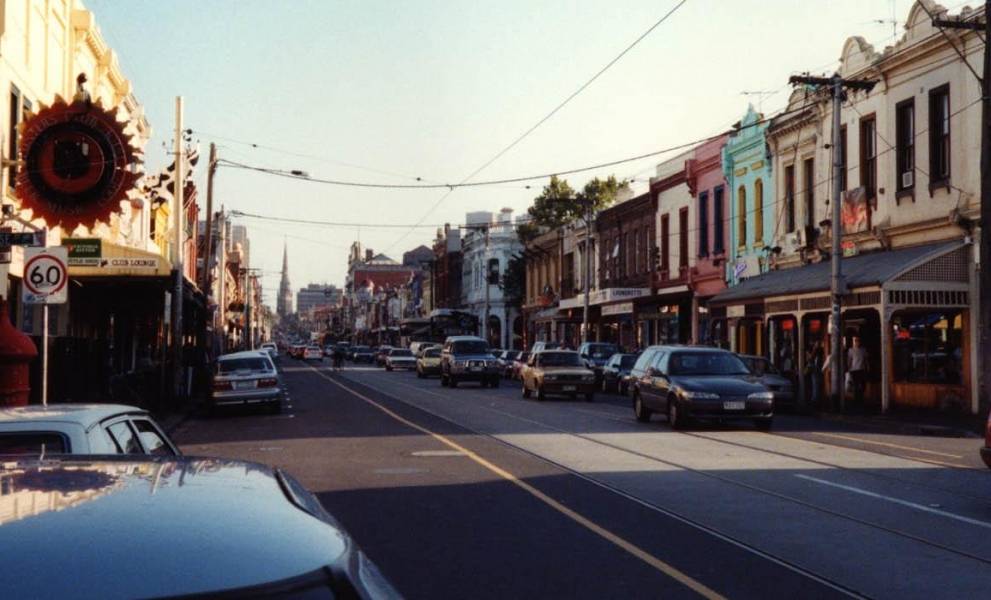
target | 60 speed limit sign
[{"x": 45, "y": 275}]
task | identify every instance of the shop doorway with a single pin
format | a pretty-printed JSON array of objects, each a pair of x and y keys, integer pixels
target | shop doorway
[{"x": 749, "y": 337}]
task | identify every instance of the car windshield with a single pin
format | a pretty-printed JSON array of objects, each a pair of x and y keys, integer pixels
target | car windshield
[
  {"x": 400, "y": 353},
  {"x": 470, "y": 347},
  {"x": 431, "y": 352},
  {"x": 559, "y": 359},
  {"x": 628, "y": 361},
  {"x": 706, "y": 363},
  {"x": 248, "y": 363},
  {"x": 602, "y": 350}
]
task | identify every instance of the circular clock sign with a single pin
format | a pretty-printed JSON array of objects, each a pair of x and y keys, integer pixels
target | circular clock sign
[{"x": 78, "y": 164}]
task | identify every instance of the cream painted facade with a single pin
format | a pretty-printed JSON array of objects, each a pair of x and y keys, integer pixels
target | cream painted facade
[
  {"x": 670, "y": 202},
  {"x": 44, "y": 45}
]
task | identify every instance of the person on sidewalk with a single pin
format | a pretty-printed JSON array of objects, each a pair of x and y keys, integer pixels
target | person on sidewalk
[
  {"x": 856, "y": 363},
  {"x": 814, "y": 367}
]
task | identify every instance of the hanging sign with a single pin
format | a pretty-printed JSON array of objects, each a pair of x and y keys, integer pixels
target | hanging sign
[
  {"x": 78, "y": 163},
  {"x": 45, "y": 275}
]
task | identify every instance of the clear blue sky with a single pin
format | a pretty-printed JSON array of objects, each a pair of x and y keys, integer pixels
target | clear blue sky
[{"x": 379, "y": 90}]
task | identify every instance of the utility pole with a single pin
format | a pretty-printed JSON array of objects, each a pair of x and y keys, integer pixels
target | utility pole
[
  {"x": 984, "y": 270},
  {"x": 587, "y": 274},
  {"x": 211, "y": 170},
  {"x": 488, "y": 283},
  {"x": 177, "y": 225},
  {"x": 837, "y": 285}
]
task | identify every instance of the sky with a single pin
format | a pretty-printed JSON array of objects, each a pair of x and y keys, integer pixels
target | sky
[{"x": 385, "y": 91}]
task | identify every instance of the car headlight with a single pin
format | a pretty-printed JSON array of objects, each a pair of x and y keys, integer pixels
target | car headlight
[
  {"x": 761, "y": 396},
  {"x": 699, "y": 395}
]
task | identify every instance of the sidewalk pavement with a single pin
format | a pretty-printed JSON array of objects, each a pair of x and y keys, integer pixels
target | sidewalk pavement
[{"x": 914, "y": 422}]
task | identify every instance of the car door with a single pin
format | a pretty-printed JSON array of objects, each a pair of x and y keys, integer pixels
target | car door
[
  {"x": 638, "y": 375},
  {"x": 653, "y": 391},
  {"x": 662, "y": 381}
]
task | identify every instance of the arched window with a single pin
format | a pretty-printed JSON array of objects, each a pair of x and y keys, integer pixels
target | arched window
[
  {"x": 741, "y": 222},
  {"x": 758, "y": 211}
]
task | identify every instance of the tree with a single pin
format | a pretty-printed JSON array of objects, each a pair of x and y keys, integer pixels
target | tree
[
  {"x": 558, "y": 204},
  {"x": 513, "y": 284}
]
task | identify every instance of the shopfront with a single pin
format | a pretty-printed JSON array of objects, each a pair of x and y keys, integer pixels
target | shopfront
[
  {"x": 665, "y": 318},
  {"x": 909, "y": 308}
]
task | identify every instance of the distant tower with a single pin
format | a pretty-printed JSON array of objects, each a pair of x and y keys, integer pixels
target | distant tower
[{"x": 284, "y": 301}]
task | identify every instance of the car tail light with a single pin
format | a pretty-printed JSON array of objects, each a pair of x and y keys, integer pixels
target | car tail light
[
  {"x": 222, "y": 386},
  {"x": 270, "y": 382}
]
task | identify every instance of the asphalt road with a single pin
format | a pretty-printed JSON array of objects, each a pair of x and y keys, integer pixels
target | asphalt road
[{"x": 479, "y": 493}]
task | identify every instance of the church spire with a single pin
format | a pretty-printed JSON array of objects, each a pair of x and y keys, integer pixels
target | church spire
[{"x": 284, "y": 300}]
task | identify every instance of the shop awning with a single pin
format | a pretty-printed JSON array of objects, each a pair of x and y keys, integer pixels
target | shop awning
[
  {"x": 113, "y": 260},
  {"x": 874, "y": 268}
]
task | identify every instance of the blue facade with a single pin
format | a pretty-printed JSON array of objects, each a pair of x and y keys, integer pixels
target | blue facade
[{"x": 750, "y": 196}]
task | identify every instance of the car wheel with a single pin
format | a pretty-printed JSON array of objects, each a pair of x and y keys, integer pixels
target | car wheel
[
  {"x": 675, "y": 418},
  {"x": 526, "y": 390},
  {"x": 590, "y": 397},
  {"x": 540, "y": 394},
  {"x": 764, "y": 424},
  {"x": 641, "y": 412}
]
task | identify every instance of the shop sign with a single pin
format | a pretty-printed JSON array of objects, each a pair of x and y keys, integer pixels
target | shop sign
[
  {"x": 79, "y": 163},
  {"x": 735, "y": 311},
  {"x": 130, "y": 263},
  {"x": 747, "y": 266},
  {"x": 623, "y": 308},
  {"x": 615, "y": 294},
  {"x": 84, "y": 252}
]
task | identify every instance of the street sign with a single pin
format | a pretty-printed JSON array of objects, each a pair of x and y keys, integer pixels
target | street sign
[
  {"x": 84, "y": 252},
  {"x": 20, "y": 238},
  {"x": 45, "y": 275}
]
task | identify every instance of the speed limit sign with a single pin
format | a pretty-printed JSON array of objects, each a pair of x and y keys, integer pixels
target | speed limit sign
[{"x": 45, "y": 275}]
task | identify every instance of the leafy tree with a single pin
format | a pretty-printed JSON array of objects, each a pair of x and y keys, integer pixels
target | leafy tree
[
  {"x": 558, "y": 204},
  {"x": 513, "y": 284}
]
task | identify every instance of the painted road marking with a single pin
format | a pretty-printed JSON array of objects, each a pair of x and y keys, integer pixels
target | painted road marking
[
  {"x": 696, "y": 586},
  {"x": 921, "y": 507},
  {"x": 437, "y": 453},
  {"x": 889, "y": 445}
]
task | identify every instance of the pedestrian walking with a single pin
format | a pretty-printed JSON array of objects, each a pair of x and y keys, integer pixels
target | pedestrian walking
[
  {"x": 814, "y": 366},
  {"x": 857, "y": 368}
]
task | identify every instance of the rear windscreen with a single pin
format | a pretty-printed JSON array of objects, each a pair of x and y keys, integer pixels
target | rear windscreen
[
  {"x": 243, "y": 364},
  {"x": 32, "y": 443},
  {"x": 470, "y": 348}
]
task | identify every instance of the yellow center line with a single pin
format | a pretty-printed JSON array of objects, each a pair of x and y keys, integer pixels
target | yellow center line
[
  {"x": 698, "y": 587},
  {"x": 889, "y": 445}
]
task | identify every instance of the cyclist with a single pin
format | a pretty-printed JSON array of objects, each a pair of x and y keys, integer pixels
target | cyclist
[{"x": 338, "y": 357}]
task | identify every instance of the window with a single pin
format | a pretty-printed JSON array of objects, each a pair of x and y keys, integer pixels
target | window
[
  {"x": 717, "y": 220},
  {"x": 683, "y": 238},
  {"x": 790, "y": 197},
  {"x": 759, "y": 211},
  {"x": 151, "y": 439},
  {"x": 741, "y": 219},
  {"x": 868, "y": 158},
  {"x": 665, "y": 248},
  {"x": 493, "y": 271},
  {"x": 124, "y": 438},
  {"x": 939, "y": 135},
  {"x": 637, "y": 263},
  {"x": 928, "y": 346},
  {"x": 809, "y": 175},
  {"x": 33, "y": 443},
  {"x": 704, "y": 224},
  {"x": 843, "y": 155},
  {"x": 905, "y": 145},
  {"x": 630, "y": 255},
  {"x": 15, "y": 118}
]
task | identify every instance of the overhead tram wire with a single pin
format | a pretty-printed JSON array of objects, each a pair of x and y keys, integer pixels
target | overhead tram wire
[{"x": 547, "y": 117}]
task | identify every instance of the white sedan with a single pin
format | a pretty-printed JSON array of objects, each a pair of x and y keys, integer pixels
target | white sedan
[
  {"x": 399, "y": 358},
  {"x": 312, "y": 353},
  {"x": 82, "y": 429}
]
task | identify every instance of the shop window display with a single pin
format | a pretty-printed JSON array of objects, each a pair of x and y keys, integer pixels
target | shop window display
[{"x": 928, "y": 347}]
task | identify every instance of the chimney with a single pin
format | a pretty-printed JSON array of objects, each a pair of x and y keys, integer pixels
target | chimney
[{"x": 369, "y": 254}]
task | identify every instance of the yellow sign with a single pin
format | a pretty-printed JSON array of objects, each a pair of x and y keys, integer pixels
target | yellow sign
[{"x": 117, "y": 261}]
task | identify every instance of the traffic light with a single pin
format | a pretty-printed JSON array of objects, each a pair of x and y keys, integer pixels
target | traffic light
[{"x": 655, "y": 258}]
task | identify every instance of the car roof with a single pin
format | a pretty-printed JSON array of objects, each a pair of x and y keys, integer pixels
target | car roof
[
  {"x": 683, "y": 347},
  {"x": 84, "y": 414},
  {"x": 213, "y": 517},
  {"x": 463, "y": 338},
  {"x": 557, "y": 351},
  {"x": 243, "y": 354}
]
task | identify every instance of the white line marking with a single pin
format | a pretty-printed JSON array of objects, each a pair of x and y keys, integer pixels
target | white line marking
[{"x": 870, "y": 494}]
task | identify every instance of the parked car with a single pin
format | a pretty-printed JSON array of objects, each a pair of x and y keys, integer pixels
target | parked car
[
  {"x": 506, "y": 362},
  {"x": 769, "y": 376},
  {"x": 296, "y": 350},
  {"x": 986, "y": 450},
  {"x": 82, "y": 429},
  {"x": 400, "y": 358},
  {"x": 687, "y": 383},
  {"x": 596, "y": 355},
  {"x": 361, "y": 354},
  {"x": 383, "y": 351},
  {"x": 558, "y": 372},
  {"x": 541, "y": 346},
  {"x": 429, "y": 362},
  {"x": 519, "y": 362},
  {"x": 467, "y": 358},
  {"x": 616, "y": 373},
  {"x": 312, "y": 353},
  {"x": 271, "y": 348},
  {"x": 246, "y": 378},
  {"x": 224, "y": 528}
]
